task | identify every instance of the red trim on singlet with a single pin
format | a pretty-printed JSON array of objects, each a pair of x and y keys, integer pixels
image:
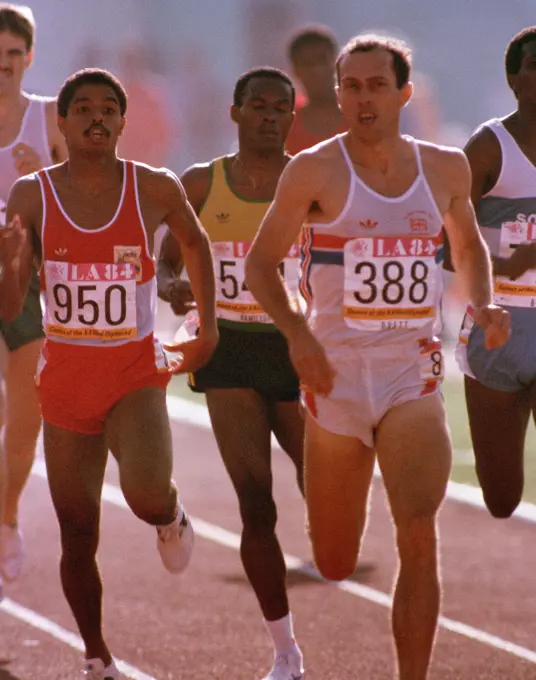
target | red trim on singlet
[{"x": 329, "y": 241}]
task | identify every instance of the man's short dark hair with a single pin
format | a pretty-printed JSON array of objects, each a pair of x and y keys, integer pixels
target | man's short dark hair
[
  {"x": 400, "y": 52},
  {"x": 89, "y": 76},
  {"x": 261, "y": 72},
  {"x": 514, "y": 52},
  {"x": 19, "y": 20},
  {"x": 311, "y": 35}
]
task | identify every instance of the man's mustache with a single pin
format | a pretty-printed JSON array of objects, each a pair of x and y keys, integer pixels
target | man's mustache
[{"x": 97, "y": 126}]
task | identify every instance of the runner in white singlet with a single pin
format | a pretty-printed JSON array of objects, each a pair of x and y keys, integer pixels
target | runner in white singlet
[
  {"x": 370, "y": 205},
  {"x": 29, "y": 141}
]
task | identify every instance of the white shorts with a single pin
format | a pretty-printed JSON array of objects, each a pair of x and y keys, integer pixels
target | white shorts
[{"x": 370, "y": 382}]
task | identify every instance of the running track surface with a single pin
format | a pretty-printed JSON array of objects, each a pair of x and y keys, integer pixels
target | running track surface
[{"x": 206, "y": 623}]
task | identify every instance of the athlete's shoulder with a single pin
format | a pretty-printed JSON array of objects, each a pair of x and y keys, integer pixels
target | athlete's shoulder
[
  {"x": 484, "y": 145},
  {"x": 45, "y": 100},
  {"x": 49, "y": 105},
  {"x": 197, "y": 182},
  {"x": 199, "y": 172},
  {"x": 27, "y": 185},
  {"x": 312, "y": 169},
  {"x": 51, "y": 108},
  {"x": 447, "y": 164},
  {"x": 25, "y": 199},
  {"x": 316, "y": 159},
  {"x": 441, "y": 156},
  {"x": 327, "y": 149},
  {"x": 157, "y": 185},
  {"x": 149, "y": 174}
]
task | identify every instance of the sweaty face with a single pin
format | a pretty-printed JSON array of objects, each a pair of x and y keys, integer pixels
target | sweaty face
[
  {"x": 265, "y": 116},
  {"x": 368, "y": 94},
  {"x": 524, "y": 82},
  {"x": 314, "y": 66},
  {"x": 94, "y": 121},
  {"x": 14, "y": 60}
]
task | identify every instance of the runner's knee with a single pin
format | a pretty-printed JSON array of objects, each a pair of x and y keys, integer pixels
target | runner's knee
[
  {"x": 334, "y": 564},
  {"x": 502, "y": 489},
  {"x": 417, "y": 541},
  {"x": 152, "y": 504},
  {"x": 79, "y": 538},
  {"x": 257, "y": 509},
  {"x": 335, "y": 556},
  {"x": 502, "y": 504}
]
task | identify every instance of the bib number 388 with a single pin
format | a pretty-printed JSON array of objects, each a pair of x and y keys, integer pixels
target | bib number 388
[{"x": 390, "y": 283}]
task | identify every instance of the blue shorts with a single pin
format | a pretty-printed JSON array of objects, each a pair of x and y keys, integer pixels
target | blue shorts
[{"x": 510, "y": 368}]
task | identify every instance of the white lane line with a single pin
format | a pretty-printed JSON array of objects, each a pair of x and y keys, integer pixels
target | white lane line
[
  {"x": 112, "y": 494},
  {"x": 185, "y": 411},
  {"x": 63, "y": 635}
]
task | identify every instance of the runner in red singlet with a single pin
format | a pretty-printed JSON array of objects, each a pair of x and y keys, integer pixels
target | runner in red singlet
[
  {"x": 90, "y": 223},
  {"x": 312, "y": 53}
]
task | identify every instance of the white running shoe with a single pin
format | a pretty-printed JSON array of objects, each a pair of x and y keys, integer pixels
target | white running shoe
[
  {"x": 287, "y": 666},
  {"x": 12, "y": 552},
  {"x": 175, "y": 543},
  {"x": 94, "y": 669}
]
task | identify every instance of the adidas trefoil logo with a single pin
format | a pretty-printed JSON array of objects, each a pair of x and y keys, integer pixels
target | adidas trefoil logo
[
  {"x": 60, "y": 252},
  {"x": 222, "y": 217}
]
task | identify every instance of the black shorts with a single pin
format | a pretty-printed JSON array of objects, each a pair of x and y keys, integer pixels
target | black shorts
[
  {"x": 28, "y": 326},
  {"x": 254, "y": 360}
]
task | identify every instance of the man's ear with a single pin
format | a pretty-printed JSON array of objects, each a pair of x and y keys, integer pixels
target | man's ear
[
  {"x": 406, "y": 93},
  {"x": 28, "y": 60},
  {"x": 235, "y": 113}
]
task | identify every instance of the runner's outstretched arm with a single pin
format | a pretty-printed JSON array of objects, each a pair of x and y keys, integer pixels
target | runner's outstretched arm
[
  {"x": 278, "y": 231},
  {"x": 470, "y": 254},
  {"x": 194, "y": 245}
]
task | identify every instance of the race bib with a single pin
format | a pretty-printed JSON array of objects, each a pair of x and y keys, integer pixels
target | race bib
[
  {"x": 522, "y": 291},
  {"x": 431, "y": 364},
  {"x": 90, "y": 301},
  {"x": 234, "y": 301},
  {"x": 390, "y": 283}
]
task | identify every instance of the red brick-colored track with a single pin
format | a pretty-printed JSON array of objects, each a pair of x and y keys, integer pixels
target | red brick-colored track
[{"x": 206, "y": 623}]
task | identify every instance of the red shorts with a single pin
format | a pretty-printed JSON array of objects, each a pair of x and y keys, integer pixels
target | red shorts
[{"x": 79, "y": 385}]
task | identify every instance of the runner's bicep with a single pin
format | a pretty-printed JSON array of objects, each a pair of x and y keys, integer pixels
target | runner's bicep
[
  {"x": 460, "y": 221},
  {"x": 462, "y": 229}
]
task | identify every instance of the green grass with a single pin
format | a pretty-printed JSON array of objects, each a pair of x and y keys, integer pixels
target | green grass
[{"x": 463, "y": 463}]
